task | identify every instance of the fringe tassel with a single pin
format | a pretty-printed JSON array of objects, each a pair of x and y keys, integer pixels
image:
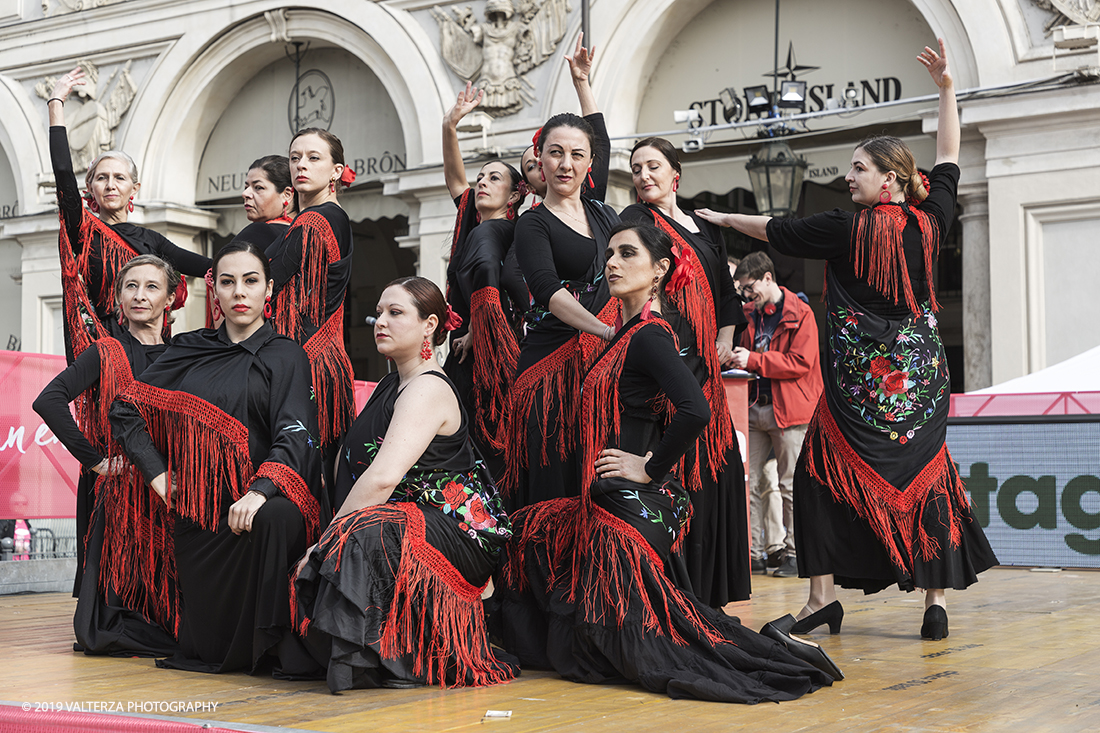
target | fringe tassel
[
  {"x": 496, "y": 353},
  {"x": 550, "y": 523},
  {"x": 294, "y": 488},
  {"x": 895, "y": 516},
  {"x": 878, "y": 253},
  {"x": 459, "y": 232},
  {"x": 206, "y": 449},
  {"x": 302, "y": 300},
  {"x": 695, "y": 302},
  {"x": 332, "y": 376},
  {"x": 101, "y": 242},
  {"x": 81, "y": 319}
]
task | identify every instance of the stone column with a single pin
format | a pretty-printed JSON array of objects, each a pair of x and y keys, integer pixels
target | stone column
[
  {"x": 40, "y": 304},
  {"x": 977, "y": 323}
]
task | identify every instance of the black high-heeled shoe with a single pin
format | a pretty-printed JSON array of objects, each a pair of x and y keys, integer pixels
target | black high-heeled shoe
[
  {"x": 832, "y": 614},
  {"x": 935, "y": 623},
  {"x": 807, "y": 651}
]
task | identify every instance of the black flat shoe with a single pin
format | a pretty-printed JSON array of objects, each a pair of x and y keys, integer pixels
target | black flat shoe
[
  {"x": 935, "y": 623},
  {"x": 832, "y": 614},
  {"x": 394, "y": 683},
  {"x": 807, "y": 651}
]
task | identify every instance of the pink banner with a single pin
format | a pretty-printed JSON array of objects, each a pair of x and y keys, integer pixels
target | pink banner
[{"x": 37, "y": 475}]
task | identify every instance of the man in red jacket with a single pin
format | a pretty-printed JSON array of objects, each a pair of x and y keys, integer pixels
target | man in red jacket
[{"x": 780, "y": 345}]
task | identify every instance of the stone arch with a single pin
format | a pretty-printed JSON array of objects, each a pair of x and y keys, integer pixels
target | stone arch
[
  {"x": 24, "y": 140},
  {"x": 201, "y": 87}
]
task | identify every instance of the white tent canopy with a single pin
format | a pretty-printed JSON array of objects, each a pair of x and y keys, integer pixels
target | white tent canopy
[{"x": 1080, "y": 373}]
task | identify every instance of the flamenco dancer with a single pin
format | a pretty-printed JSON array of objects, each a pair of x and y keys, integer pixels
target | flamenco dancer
[
  {"x": 585, "y": 588},
  {"x": 484, "y": 346},
  {"x": 101, "y": 237},
  {"x": 877, "y": 499},
  {"x": 706, "y": 316},
  {"x": 560, "y": 247},
  {"x": 126, "y": 602},
  {"x": 391, "y": 595},
  {"x": 311, "y": 266},
  {"x": 223, "y": 428}
]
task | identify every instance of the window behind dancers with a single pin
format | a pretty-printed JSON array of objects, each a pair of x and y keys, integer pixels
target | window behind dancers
[
  {"x": 877, "y": 499},
  {"x": 560, "y": 246},
  {"x": 484, "y": 346},
  {"x": 391, "y": 595},
  {"x": 585, "y": 587},
  {"x": 101, "y": 238},
  {"x": 117, "y": 618},
  {"x": 311, "y": 266},
  {"x": 224, "y": 429},
  {"x": 705, "y": 315}
]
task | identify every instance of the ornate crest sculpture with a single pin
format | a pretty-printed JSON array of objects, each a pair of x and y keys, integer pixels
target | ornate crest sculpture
[
  {"x": 1067, "y": 12},
  {"x": 92, "y": 125},
  {"x": 495, "y": 55}
]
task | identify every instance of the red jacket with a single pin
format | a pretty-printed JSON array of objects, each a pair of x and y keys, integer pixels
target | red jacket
[{"x": 792, "y": 361}]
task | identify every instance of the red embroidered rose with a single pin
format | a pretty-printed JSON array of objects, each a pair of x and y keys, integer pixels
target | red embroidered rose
[
  {"x": 890, "y": 417},
  {"x": 894, "y": 383},
  {"x": 903, "y": 440},
  {"x": 851, "y": 320},
  {"x": 478, "y": 515},
  {"x": 454, "y": 493},
  {"x": 880, "y": 366}
]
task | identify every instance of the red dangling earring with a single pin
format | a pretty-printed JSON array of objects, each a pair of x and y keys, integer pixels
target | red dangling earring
[
  {"x": 332, "y": 186},
  {"x": 647, "y": 309},
  {"x": 267, "y": 307},
  {"x": 885, "y": 196},
  {"x": 426, "y": 352},
  {"x": 121, "y": 319},
  {"x": 92, "y": 205},
  {"x": 130, "y": 205},
  {"x": 675, "y": 183},
  {"x": 510, "y": 212},
  {"x": 542, "y": 175}
]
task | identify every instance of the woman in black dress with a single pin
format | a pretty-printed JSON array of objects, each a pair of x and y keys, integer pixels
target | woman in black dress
[
  {"x": 311, "y": 266},
  {"x": 585, "y": 587},
  {"x": 877, "y": 499},
  {"x": 223, "y": 428},
  {"x": 391, "y": 595},
  {"x": 484, "y": 346},
  {"x": 706, "y": 317},
  {"x": 102, "y": 240},
  {"x": 560, "y": 246},
  {"x": 126, "y": 603}
]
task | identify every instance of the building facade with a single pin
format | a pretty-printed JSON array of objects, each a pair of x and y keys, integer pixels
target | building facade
[{"x": 195, "y": 90}]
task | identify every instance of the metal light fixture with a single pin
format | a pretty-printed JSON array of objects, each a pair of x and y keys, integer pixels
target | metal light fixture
[
  {"x": 776, "y": 174},
  {"x": 731, "y": 104},
  {"x": 851, "y": 96},
  {"x": 792, "y": 95},
  {"x": 759, "y": 101}
]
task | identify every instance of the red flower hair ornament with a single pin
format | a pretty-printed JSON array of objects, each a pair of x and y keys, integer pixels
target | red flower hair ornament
[
  {"x": 684, "y": 272},
  {"x": 453, "y": 319},
  {"x": 181, "y": 293},
  {"x": 535, "y": 141},
  {"x": 348, "y": 176}
]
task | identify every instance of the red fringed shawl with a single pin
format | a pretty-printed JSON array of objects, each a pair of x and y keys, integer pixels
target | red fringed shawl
[
  {"x": 695, "y": 303},
  {"x": 878, "y": 254},
  {"x": 496, "y": 354},
  {"x": 300, "y": 303},
  {"x": 81, "y": 318}
]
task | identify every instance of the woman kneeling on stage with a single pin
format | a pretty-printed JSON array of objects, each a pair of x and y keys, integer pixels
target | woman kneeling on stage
[
  {"x": 585, "y": 590},
  {"x": 223, "y": 428},
  {"x": 391, "y": 595}
]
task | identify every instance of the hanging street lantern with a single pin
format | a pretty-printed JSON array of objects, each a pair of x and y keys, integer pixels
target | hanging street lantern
[{"x": 776, "y": 174}]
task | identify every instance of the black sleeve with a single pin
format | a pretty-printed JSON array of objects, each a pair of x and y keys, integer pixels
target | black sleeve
[
  {"x": 260, "y": 233},
  {"x": 601, "y": 157},
  {"x": 511, "y": 278},
  {"x": 653, "y": 352},
  {"x": 944, "y": 183},
  {"x": 68, "y": 191},
  {"x": 536, "y": 257},
  {"x": 483, "y": 265},
  {"x": 730, "y": 312},
  {"x": 637, "y": 214},
  {"x": 187, "y": 262},
  {"x": 129, "y": 429},
  {"x": 819, "y": 237},
  {"x": 53, "y": 406}
]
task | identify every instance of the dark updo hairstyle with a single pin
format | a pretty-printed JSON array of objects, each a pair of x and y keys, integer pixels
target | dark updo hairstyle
[
  {"x": 891, "y": 154},
  {"x": 241, "y": 245},
  {"x": 171, "y": 277},
  {"x": 568, "y": 119},
  {"x": 664, "y": 147},
  {"x": 428, "y": 300},
  {"x": 335, "y": 147},
  {"x": 657, "y": 243},
  {"x": 516, "y": 178}
]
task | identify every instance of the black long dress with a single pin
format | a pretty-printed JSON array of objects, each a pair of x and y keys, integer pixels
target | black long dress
[
  {"x": 111, "y": 617},
  {"x": 311, "y": 267},
  {"x": 224, "y": 419},
  {"x": 394, "y": 591},
  {"x": 542, "y": 422},
  {"x": 477, "y": 293},
  {"x": 716, "y": 550},
  {"x": 877, "y": 498},
  {"x": 585, "y": 588}
]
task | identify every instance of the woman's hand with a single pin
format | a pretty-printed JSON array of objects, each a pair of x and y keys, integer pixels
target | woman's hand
[
  {"x": 65, "y": 84},
  {"x": 468, "y": 98},
  {"x": 936, "y": 63},
  {"x": 461, "y": 347},
  {"x": 739, "y": 359},
  {"x": 616, "y": 463},
  {"x": 164, "y": 489},
  {"x": 110, "y": 466},
  {"x": 725, "y": 352},
  {"x": 580, "y": 63},
  {"x": 243, "y": 510},
  {"x": 714, "y": 217},
  {"x": 302, "y": 563}
]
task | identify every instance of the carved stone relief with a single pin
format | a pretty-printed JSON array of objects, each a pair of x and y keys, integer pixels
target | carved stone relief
[
  {"x": 497, "y": 54},
  {"x": 94, "y": 111},
  {"x": 62, "y": 7},
  {"x": 1069, "y": 12}
]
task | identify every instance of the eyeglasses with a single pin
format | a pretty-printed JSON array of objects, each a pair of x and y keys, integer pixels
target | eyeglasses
[{"x": 747, "y": 291}]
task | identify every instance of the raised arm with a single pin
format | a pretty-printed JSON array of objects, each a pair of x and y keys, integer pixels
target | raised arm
[
  {"x": 947, "y": 132},
  {"x": 454, "y": 170},
  {"x": 754, "y": 226},
  {"x": 68, "y": 190},
  {"x": 580, "y": 66}
]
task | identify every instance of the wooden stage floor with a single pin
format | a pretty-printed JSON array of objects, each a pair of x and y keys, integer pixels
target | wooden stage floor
[{"x": 1021, "y": 657}]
